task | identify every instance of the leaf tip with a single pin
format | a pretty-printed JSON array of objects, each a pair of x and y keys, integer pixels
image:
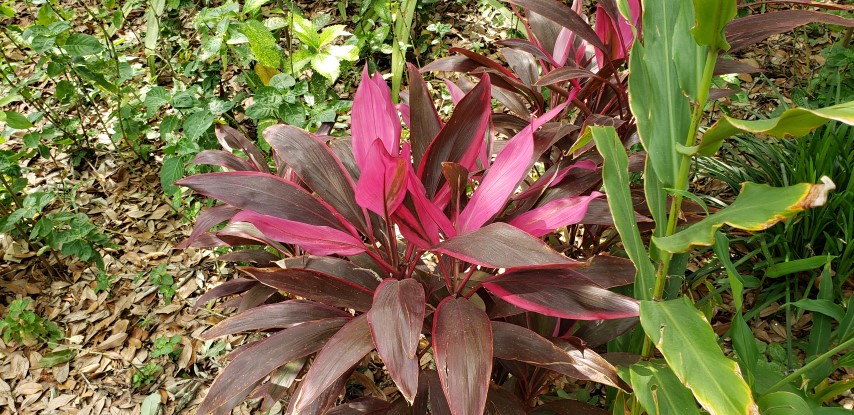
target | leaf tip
[{"x": 817, "y": 195}]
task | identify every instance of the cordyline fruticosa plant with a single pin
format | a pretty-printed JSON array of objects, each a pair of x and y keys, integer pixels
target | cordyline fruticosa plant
[{"x": 389, "y": 250}]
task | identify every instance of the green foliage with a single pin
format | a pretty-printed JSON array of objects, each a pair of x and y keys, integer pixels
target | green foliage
[
  {"x": 167, "y": 346},
  {"x": 24, "y": 326},
  {"x": 161, "y": 279},
  {"x": 145, "y": 375}
]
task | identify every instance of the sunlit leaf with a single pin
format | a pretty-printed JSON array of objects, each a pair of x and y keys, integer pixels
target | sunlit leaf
[
  {"x": 660, "y": 391},
  {"x": 712, "y": 17}
]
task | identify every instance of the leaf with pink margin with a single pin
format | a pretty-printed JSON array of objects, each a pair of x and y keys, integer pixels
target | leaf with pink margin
[
  {"x": 425, "y": 124},
  {"x": 253, "y": 362},
  {"x": 343, "y": 350},
  {"x": 316, "y": 286},
  {"x": 461, "y": 139},
  {"x": 382, "y": 185},
  {"x": 223, "y": 159},
  {"x": 456, "y": 92},
  {"x": 501, "y": 245},
  {"x": 280, "y": 315},
  {"x": 316, "y": 240},
  {"x": 510, "y": 167},
  {"x": 559, "y": 291},
  {"x": 396, "y": 319},
  {"x": 553, "y": 215},
  {"x": 373, "y": 117},
  {"x": 563, "y": 15},
  {"x": 231, "y": 139},
  {"x": 206, "y": 220},
  {"x": 462, "y": 349},
  {"x": 265, "y": 194}
]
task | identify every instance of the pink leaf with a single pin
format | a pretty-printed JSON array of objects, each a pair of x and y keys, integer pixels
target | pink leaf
[
  {"x": 382, "y": 185},
  {"x": 457, "y": 93},
  {"x": 374, "y": 116},
  {"x": 510, "y": 167},
  {"x": 617, "y": 38},
  {"x": 314, "y": 239},
  {"x": 553, "y": 215}
]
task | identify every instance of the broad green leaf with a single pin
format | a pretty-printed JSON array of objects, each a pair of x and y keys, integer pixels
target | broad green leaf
[
  {"x": 344, "y": 52},
  {"x": 197, "y": 123},
  {"x": 757, "y": 207},
  {"x": 81, "y": 44},
  {"x": 262, "y": 43},
  {"x": 154, "y": 99},
  {"x": 17, "y": 120},
  {"x": 744, "y": 344},
  {"x": 251, "y": 6},
  {"x": 783, "y": 403},
  {"x": 824, "y": 306},
  {"x": 210, "y": 48},
  {"x": 660, "y": 391},
  {"x": 615, "y": 175},
  {"x": 690, "y": 347},
  {"x": 58, "y": 357},
  {"x": 326, "y": 65},
  {"x": 152, "y": 31},
  {"x": 665, "y": 64},
  {"x": 712, "y": 17},
  {"x": 329, "y": 33},
  {"x": 794, "y": 122},
  {"x": 798, "y": 265},
  {"x": 305, "y": 31}
]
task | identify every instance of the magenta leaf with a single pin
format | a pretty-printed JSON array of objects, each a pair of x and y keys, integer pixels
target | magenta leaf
[
  {"x": 252, "y": 363},
  {"x": 231, "y": 139},
  {"x": 500, "y": 245},
  {"x": 558, "y": 291},
  {"x": 382, "y": 184},
  {"x": 618, "y": 38},
  {"x": 396, "y": 319},
  {"x": 461, "y": 139},
  {"x": 510, "y": 167},
  {"x": 319, "y": 168},
  {"x": 462, "y": 349},
  {"x": 512, "y": 342},
  {"x": 279, "y": 315},
  {"x": 553, "y": 215},
  {"x": 562, "y": 15},
  {"x": 346, "y": 348},
  {"x": 265, "y": 194},
  {"x": 315, "y": 286},
  {"x": 317, "y": 240},
  {"x": 373, "y": 117}
]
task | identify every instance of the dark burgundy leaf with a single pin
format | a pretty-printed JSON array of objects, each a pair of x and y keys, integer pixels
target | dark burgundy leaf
[
  {"x": 227, "y": 288},
  {"x": 811, "y": 3},
  {"x": 396, "y": 319},
  {"x": 280, "y": 383},
  {"x": 208, "y": 219},
  {"x": 343, "y": 148},
  {"x": 280, "y": 315},
  {"x": 248, "y": 234},
  {"x": 251, "y": 364},
  {"x": 453, "y": 63},
  {"x": 462, "y": 349},
  {"x": 227, "y": 407},
  {"x": 502, "y": 402},
  {"x": 460, "y": 139},
  {"x": 223, "y": 159},
  {"x": 564, "y": 16},
  {"x": 256, "y": 296},
  {"x": 728, "y": 66},
  {"x": 545, "y": 31},
  {"x": 362, "y": 406},
  {"x": 558, "y": 291},
  {"x": 512, "y": 342},
  {"x": 430, "y": 399},
  {"x": 590, "y": 364},
  {"x": 425, "y": 122},
  {"x": 255, "y": 256},
  {"x": 336, "y": 267},
  {"x": 231, "y": 139},
  {"x": 749, "y": 30},
  {"x": 608, "y": 271},
  {"x": 577, "y": 182},
  {"x": 265, "y": 194},
  {"x": 524, "y": 45},
  {"x": 598, "y": 332},
  {"x": 500, "y": 245},
  {"x": 719, "y": 93},
  {"x": 568, "y": 407},
  {"x": 325, "y": 400},
  {"x": 564, "y": 74},
  {"x": 316, "y": 286},
  {"x": 319, "y": 168},
  {"x": 343, "y": 351}
]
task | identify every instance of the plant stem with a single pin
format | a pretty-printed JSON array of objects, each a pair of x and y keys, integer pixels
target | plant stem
[
  {"x": 682, "y": 182},
  {"x": 809, "y": 366}
]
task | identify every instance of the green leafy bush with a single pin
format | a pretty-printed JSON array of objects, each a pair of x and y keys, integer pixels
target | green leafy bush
[{"x": 24, "y": 326}]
